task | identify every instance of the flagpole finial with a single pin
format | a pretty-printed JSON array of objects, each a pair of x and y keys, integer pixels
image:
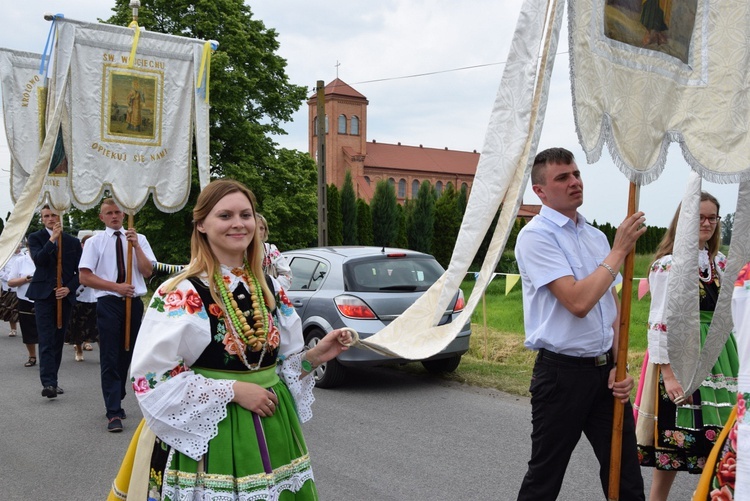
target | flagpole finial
[{"x": 135, "y": 5}]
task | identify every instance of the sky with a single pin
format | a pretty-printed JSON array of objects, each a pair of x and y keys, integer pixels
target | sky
[{"x": 430, "y": 70}]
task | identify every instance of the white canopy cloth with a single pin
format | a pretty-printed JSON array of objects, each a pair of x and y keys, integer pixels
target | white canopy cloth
[{"x": 503, "y": 170}]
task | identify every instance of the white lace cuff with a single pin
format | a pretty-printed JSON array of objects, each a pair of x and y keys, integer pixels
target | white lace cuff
[
  {"x": 185, "y": 411},
  {"x": 300, "y": 388}
]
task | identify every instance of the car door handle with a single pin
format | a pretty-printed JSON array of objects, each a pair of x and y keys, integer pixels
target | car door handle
[{"x": 297, "y": 302}]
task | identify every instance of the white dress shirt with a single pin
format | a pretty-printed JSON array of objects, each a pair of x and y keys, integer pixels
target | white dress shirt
[
  {"x": 99, "y": 257},
  {"x": 552, "y": 246}
]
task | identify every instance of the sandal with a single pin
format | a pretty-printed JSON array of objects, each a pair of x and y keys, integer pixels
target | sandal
[
  {"x": 12, "y": 333},
  {"x": 87, "y": 347},
  {"x": 31, "y": 362}
]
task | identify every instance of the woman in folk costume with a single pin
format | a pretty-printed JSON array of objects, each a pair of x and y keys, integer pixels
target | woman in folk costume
[
  {"x": 219, "y": 370},
  {"x": 724, "y": 478},
  {"x": 675, "y": 432}
]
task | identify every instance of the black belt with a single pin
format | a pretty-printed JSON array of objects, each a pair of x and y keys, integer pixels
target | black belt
[{"x": 597, "y": 361}]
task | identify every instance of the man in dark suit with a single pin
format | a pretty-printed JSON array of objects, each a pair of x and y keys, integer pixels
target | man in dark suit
[{"x": 43, "y": 246}]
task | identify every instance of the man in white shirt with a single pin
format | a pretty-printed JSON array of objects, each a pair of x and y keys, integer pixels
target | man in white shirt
[
  {"x": 103, "y": 267},
  {"x": 571, "y": 317}
]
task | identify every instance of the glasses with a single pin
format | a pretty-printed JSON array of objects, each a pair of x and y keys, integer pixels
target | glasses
[{"x": 710, "y": 219}]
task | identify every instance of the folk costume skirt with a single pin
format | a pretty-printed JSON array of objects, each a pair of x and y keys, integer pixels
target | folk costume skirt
[
  {"x": 9, "y": 307},
  {"x": 718, "y": 478},
  {"x": 680, "y": 438},
  {"x": 251, "y": 457}
]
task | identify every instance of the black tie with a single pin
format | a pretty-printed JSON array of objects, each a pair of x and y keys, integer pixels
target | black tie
[{"x": 120, "y": 259}]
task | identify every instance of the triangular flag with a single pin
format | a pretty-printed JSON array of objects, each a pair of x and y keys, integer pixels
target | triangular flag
[
  {"x": 510, "y": 281},
  {"x": 642, "y": 288}
]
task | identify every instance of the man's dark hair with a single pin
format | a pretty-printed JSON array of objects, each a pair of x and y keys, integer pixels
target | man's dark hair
[{"x": 546, "y": 157}]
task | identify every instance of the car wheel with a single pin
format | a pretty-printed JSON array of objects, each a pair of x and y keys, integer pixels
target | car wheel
[
  {"x": 449, "y": 364},
  {"x": 329, "y": 374}
]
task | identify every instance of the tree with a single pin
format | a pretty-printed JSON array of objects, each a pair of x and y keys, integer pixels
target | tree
[
  {"x": 420, "y": 226},
  {"x": 401, "y": 240},
  {"x": 364, "y": 223},
  {"x": 349, "y": 210},
  {"x": 291, "y": 202},
  {"x": 335, "y": 222},
  {"x": 385, "y": 223},
  {"x": 447, "y": 224},
  {"x": 727, "y": 225}
]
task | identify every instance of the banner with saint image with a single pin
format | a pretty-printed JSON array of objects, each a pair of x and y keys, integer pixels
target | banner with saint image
[{"x": 130, "y": 127}]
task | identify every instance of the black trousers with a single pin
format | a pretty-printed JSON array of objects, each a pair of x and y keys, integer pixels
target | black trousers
[
  {"x": 114, "y": 360},
  {"x": 51, "y": 339},
  {"x": 568, "y": 398}
]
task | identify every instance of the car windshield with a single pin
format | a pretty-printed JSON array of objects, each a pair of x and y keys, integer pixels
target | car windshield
[{"x": 384, "y": 273}]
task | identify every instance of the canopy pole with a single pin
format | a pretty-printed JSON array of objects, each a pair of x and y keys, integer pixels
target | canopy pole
[{"x": 622, "y": 356}]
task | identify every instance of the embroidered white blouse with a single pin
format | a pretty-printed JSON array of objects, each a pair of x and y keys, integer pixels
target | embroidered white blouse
[
  {"x": 181, "y": 407},
  {"x": 658, "y": 279}
]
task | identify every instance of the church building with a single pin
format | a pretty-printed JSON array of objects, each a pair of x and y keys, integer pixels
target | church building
[{"x": 405, "y": 167}]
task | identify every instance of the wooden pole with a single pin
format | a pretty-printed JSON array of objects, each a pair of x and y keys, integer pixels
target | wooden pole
[
  {"x": 59, "y": 278},
  {"x": 622, "y": 357},
  {"x": 484, "y": 315},
  {"x": 128, "y": 280}
]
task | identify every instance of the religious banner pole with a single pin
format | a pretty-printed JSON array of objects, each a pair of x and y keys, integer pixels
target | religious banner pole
[
  {"x": 59, "y": 276},
  {"x": 622, "y": 356},
  {"x": 129, "y": 281},
  {"x": 135, "y": 5}
]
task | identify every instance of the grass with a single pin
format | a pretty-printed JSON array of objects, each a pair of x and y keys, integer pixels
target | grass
[{"x": 497, "y": 357}]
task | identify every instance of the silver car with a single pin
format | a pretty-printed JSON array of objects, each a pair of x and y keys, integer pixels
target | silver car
[{"x": 365, "y": 288}]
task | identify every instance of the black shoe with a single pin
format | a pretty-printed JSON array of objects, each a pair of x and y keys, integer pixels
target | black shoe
[
  {"x": 114, "y": 425},
  {"x": 49, "y": 392},
  {"x": 123, "y": 415},
  {"x": 59, "y": 390}
]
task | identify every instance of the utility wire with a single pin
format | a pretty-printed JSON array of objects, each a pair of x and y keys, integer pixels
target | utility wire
[{"x": 438, "y": 72}]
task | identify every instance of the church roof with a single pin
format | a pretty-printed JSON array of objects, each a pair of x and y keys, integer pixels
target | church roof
[
  {"x": 338, "y": 87},
  {"x": 418, "y": 158}
]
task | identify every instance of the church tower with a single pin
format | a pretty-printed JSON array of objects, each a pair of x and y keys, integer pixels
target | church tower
[{"x": 346, "y": 132}]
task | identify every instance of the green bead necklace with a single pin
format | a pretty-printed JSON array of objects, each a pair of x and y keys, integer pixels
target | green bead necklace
[{"x": 255, "y": 337}]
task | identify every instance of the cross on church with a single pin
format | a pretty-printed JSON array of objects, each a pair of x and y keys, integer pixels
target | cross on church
[{"x": 337, "y": 67}]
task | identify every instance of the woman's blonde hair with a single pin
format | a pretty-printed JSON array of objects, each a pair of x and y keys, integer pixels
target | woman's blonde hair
[
  {"x": 203, "y": 261},
  {"x": 260, "y": 217},
  {"x": 666, "y": 246}
]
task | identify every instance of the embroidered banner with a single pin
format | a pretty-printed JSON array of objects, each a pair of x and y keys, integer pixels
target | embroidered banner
[
  {"x": 649, "y": 72},
  {"x": 130, "y": 127},
  {"x": 25, "y": 92}
]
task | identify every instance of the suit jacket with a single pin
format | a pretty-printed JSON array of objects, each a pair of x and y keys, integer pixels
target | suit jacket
[{"x": 44, "y": 254}]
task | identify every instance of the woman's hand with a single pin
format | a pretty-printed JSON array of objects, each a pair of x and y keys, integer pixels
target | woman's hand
[
  {"x": 330, "y": 347},
  {"x": 674, "y": 391},
  {"x": 255, "y": 398}
]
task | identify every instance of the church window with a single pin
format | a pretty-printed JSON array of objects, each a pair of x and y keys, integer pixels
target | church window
[
  {"x": 402, "y": 188},
  {"x": 414, "y": 188},
  {"x": 439, "y": 188},
  {"x": 354, "y": 126},
  {"x": 342, "y": 124}
]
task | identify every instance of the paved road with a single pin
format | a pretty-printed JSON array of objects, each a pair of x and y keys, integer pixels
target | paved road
[{"x": 385, "y": 436}]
